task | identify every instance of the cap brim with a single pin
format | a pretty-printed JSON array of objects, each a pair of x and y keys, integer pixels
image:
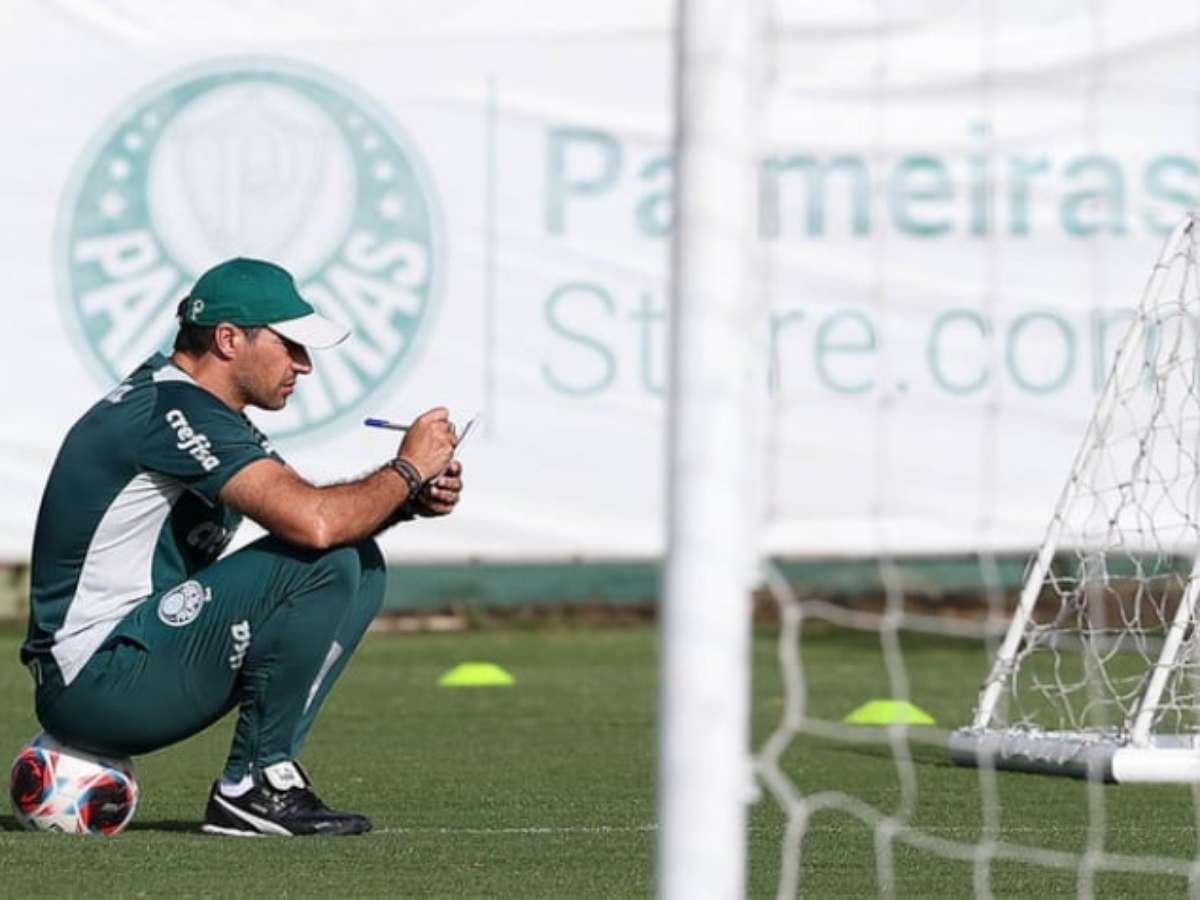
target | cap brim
[{"x": 312, "y": 331}]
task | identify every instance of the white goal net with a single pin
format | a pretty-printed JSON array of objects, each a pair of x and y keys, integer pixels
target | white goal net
[
  {"x": 1094, "y": 674},
  {"x": 956, "y": 352},
  {"x": 1098, "y": 672},
  {"x": 1099, "y": 668}
]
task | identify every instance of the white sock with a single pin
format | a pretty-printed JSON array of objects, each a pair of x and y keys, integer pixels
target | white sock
[{"x": 235, "y": 788}]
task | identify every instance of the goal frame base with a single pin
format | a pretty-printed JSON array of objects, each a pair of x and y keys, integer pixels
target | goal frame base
[{"x": 1109, "y": 757}]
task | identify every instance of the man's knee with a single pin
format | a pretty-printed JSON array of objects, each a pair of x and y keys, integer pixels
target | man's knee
[
  {"x": 343, "y": 565},
  {"x": 360, "y": 568},
  {"x": 356, "y": 572},
  {"x": 361, "y": 556}
]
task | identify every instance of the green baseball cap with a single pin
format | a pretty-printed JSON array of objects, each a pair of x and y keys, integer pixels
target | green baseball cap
[{"x": 251, "y": 292}]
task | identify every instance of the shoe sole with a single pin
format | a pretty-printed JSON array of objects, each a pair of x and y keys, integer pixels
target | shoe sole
[
  {"x": 254, "y": 824},
  {"x": 237, "y": 832},
  {"x": 231, "y": 832},
  {"x": 259, "y": 827}
]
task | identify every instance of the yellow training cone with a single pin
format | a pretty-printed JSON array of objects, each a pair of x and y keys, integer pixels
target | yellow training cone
[
  {"x": 889, "y": 712},
  {"x": 476, "y": 674}
]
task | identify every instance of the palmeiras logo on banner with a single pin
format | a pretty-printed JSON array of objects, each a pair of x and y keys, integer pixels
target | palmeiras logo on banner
[{"x": 266, "y": 159}]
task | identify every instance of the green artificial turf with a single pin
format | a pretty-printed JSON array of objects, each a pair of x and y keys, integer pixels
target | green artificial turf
[{"x": 546, "y": 788}]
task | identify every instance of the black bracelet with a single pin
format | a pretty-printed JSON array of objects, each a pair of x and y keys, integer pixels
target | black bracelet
[{"x": 410, "y": 474}]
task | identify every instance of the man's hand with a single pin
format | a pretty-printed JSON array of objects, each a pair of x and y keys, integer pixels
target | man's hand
[
  {"x": 321, "y": 517},
  {"x": 429, "y": 443},
  {"x": 440, "y": 496}
]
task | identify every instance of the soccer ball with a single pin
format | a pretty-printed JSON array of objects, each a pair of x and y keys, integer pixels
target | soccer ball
[{"x": 56, "y": 788}]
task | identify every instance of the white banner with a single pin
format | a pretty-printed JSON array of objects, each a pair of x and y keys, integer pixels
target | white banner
[{"x": 959, "y": 205}]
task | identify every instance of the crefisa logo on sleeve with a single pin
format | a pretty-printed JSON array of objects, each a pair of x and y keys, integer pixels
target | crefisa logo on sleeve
[{"x": 261, "y": 158}]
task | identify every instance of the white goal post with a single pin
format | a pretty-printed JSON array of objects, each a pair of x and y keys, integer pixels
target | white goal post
[
  {"x": 718, "y": 323},
  {"x": 1098, "y": 675}
]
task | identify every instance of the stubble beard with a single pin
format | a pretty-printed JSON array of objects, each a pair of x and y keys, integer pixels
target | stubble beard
[{"x": 261, "y": 396}]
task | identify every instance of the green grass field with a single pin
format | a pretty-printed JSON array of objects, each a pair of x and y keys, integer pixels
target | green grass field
[{"x": 546, "y": 789}]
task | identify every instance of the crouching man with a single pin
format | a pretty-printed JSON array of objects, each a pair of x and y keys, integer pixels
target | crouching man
[{"x": 139, "y": 636}]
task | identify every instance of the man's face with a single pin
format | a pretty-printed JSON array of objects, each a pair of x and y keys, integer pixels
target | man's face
[{"x": 267, "y": 368}]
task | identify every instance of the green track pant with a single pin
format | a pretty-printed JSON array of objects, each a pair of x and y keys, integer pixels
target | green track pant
[{"x": 268, "y": 629}]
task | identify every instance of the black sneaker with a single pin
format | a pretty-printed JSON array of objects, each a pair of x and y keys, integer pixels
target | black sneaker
[{"x": 281, "y": 802}]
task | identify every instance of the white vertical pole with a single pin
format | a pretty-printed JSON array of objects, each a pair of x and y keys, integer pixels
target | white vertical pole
[
  {"x": 1185, "y": 616},
  {"x": 717, "y": 382}
]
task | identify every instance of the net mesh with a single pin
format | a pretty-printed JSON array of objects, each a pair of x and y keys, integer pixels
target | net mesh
[
  {"x": 1121, "y": 545},
  {"x": 1118, "y": 555},
  {"x": 1124, "y": 537}
]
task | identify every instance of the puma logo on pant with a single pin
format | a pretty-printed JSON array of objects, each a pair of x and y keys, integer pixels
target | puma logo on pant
[{"x": 240, "y": 632}]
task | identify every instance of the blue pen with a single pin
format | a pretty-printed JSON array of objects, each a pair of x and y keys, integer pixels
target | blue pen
[
  {"x": 396, "y": 426},
  {"x": 384, "y": 423}
]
